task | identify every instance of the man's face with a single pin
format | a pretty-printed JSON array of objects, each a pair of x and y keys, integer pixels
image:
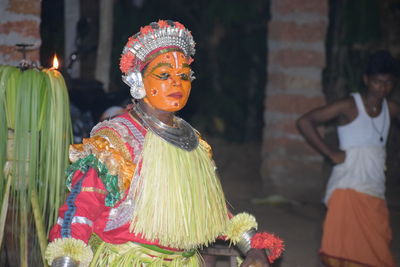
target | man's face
[
  {"x": 167, "y": 82},
  {"x": 379, "y": 85}
]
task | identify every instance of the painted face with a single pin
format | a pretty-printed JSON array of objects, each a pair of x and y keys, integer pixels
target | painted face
[
  {"x": 379, "y": 85},
  {"x": 167, "y": 82}
]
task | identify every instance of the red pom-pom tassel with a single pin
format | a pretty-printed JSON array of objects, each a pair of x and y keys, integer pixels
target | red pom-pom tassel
[{"x": 268, "y": 241}]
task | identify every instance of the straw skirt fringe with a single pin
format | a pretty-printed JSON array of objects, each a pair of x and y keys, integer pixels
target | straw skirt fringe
[{"x": 136, "y": 255}]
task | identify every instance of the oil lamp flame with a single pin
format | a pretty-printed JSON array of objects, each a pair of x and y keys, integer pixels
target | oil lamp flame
[{"x": 55, "y": 62}]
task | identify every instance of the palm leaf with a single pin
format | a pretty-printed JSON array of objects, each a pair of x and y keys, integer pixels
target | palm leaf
[{"x": 35, "y": 106}]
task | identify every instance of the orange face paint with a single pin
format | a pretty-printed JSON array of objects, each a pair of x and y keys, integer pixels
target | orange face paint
[{"x": 167, "y": 82}]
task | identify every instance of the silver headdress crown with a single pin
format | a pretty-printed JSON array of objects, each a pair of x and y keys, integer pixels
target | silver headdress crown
[{"x": 152, "y": 40}]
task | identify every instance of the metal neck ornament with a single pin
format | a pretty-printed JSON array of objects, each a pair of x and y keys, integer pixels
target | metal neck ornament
[{"x": 182, "y": 136}]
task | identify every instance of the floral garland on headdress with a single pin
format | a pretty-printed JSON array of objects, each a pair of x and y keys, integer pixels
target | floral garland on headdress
[{"x": 164, "y": 33}]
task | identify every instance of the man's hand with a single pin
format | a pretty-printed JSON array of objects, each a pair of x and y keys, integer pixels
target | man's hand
[
  {"x": 256, "y": 258},
  {"x": 338, "y": 157}
]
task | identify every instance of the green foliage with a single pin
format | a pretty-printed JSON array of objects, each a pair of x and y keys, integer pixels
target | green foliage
[{"x": 34, "y": 109}]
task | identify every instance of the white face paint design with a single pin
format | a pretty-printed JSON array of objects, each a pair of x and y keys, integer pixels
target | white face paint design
[{"x": 175, "y": 59}]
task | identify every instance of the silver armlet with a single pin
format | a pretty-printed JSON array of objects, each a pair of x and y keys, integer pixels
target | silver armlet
[
  {"x": 64, "y": 262},
  {"x": 244, "y": 244}
]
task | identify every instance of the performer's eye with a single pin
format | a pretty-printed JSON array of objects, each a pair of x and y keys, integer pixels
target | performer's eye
[
  {"x": 184, "y": 76},
  {"x": 162, "y": 76}
]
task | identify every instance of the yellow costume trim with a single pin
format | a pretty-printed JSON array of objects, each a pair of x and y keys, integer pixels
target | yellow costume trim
[
  {"x": 116, "y": 141},
  {"x": 94, "y": 189},
  {"x": 238, "y": 225},
  {"x": 115, "y": 161},
  {"x": 179, "y": 201},
  {"x": 69, "y": 247}
]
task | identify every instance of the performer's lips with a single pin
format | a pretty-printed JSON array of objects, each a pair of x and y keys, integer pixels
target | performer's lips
[{"x": 176, "y": 95}]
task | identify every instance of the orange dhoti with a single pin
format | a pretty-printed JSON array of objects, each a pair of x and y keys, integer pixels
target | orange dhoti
[{"x": 356, "y": 231}]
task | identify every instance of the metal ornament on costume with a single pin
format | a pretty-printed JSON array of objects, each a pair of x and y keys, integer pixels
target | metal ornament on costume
[
  {"x": 152, "y": 40},
  {"x": 182, "y": 136},
  {"x": 135, "y": 82}
]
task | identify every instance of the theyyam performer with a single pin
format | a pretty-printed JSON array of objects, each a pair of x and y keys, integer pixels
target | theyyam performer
[{"x": 143, "y": 188}]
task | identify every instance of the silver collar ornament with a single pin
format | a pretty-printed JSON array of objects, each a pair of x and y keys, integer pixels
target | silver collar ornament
[{"x": 182, "y": 136}]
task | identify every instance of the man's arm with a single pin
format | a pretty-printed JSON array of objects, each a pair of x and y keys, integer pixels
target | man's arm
[
  {"x": 308, "y": 123},
  {"x": 394, "y": 110}
]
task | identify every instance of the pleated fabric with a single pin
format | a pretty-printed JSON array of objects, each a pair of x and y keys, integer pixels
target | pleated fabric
[{"x": 356, "y": 231}]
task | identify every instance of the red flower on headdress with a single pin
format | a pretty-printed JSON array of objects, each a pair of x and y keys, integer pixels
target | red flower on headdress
[
  {"x": 163, "y": 23},
  {"x": 268, "y": 241},
  {"x": 179, "y": 25},
  {"x": 126, "y": 62},
  {"x": 131, "y": 41},
  {"x": 146, "y": 29}
]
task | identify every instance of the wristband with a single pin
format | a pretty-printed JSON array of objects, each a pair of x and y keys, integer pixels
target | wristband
[
  {"x": 64, "y": 262},
  {"x": 244, "y": 244}
]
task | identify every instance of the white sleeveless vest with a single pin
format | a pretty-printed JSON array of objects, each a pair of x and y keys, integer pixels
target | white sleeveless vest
[
  {"x": 365, "y": 130},
  {"x": 364, "y": 141}
]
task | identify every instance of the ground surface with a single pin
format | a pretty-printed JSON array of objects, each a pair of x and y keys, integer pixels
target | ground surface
[{"x": 298, "y": 224}]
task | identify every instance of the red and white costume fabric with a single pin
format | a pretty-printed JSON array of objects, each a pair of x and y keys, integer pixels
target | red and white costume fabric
[
  {"x": 102, "y": 181},
  {"x": 86, "y": 207}
]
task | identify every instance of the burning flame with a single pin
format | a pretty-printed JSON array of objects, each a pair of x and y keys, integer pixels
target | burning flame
[{"x": 55, "y": 62}]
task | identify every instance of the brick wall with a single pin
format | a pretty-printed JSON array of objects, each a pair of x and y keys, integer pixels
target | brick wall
[
  {"x": 19, "y": 23},
  {"x": 296, "y": 57}
]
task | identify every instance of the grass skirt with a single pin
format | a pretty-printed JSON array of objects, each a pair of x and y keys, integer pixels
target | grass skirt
[{"x": 132, "y": 254}]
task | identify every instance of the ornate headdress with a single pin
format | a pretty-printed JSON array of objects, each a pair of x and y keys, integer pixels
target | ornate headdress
[{"x": 152, "y": 40}]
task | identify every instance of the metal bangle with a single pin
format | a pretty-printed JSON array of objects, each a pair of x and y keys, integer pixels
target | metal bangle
[
  {"x": 64, "y": 262},
  {"x": 244, "y": 244}
]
